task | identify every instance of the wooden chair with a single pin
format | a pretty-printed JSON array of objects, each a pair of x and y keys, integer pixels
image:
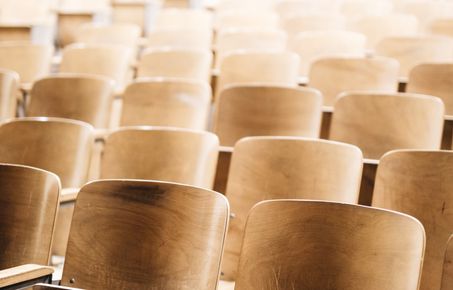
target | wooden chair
[
  {"x": 354, "y": 9},
  {"x": 411, "y": 51},
  {"x": 9, "y": 83},
  {"x": 167, "y": 154},
  {"x": 166, "y": 102},
  {"x": 245, "y": 67},
  {"x": 428, "y": 11},
  {"x": 246, "y": 20},
  {"x": 308, "y": 169},
  {"x": 419, "y": 183},
  {"x": 315, "y": 22},
  {"x": 371, "y": 74},
  {"x": 290, "y": 8},
  {"x": 118, "y": 34},
  {"x": 182, "y": 38},
  {"x": 133, "y": 12},
  {"x": 145, "y": 235},
  {"x": 263, "y": 110},
  {"x": 447, "y": 277},
  {"x": 174, "y": 18},
  {"x": 30, "y": 61},
  {"x": 378, "y": 122},
  {"x": 442, "y": 26},
  {"x": 81, "y": 97},
  {"x": 312, "y": 45},
  {"x": 192, "y": 64},
  {"x": 295, "y": 244}
]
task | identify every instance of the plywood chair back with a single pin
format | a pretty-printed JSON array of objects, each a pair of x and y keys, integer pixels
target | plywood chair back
[
  {"x": 257, "y": 19},
  {"x": 371, "y": 74},
  {"x": 145, "y": 235},
  {"x": 442, "y": 26},
  {"x": 120, "y": 34},
  {"x": 29, "y": 198},
  {"x": 354, "y": 9},
  {"x": 175, "y": 18},
  {"x": 296, "y": 244},
  {"x": 30, "y": 61},
  {"x": 61, "y": 146},
  {"x": 192, "y": 64},
  {"x": 110, "y": 61},
  {"x": 272, "y": 68},
  {"x": 81, "y": 97},
  {"x": 447, "y": 275},
  {"x": 312, "y": 45},
  {"x": 313, "y": 22},
  {"x": 378, "y": 123},
  {"x": 411, "y": 51},
  {"x": 428, "y": 11},
  {"x": 183, "y": 38},
  {"x": 419, "y": 183},
  {"x": 166, "y": 102},
  {"x": 167, "y": 154},
  {"x": 308, "y": 169},
  {"x": 263, "y": 110},
  {"x": 290, "y": 8},
  {"x": 9, "y": 85}
]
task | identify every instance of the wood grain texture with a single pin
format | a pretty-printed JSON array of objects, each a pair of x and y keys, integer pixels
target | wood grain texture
[
  {"x": 167, "y": 154},
  {"x": 180, "y": 38},
  {"x": 58, "y": 145},
  {"x": 420, "y": 183},
  {"x": 351, "y": 74},
  {"x": 265, "y": 168},
  {"x": 185, "y": 63},
  {"x": 378, "y": 123},
  {"x": 145, "y": 235},
  {"x": 411, "y": 51},
  {"x": 29, "y": 199},
  {"x": 447, "y": 274},
  {"x": 118, "y": 33},
  {"x": 9, "y": 85},
  {"x": 83, "y": 97},
  {"x": 166, "y": 102},
  {"x": 266, "y": 110},
  {"x": 294, "y": 244},
  {"x": 434, "y": 79}
]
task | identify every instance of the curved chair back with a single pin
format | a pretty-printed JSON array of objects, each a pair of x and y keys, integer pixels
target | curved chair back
[{"x": 9, "y": 88}]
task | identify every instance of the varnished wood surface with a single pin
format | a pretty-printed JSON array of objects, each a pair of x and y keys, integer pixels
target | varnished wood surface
[
  {"x": 22, "y": 273},
  {"x": 180, "y": 38},
  {"x": 9, "y": 84},
  {"x": 447, "y": 273},
  {"x": 68, "y": 24},
  {"x": 442, "y": 26},
  {"x": 29, "y": 199},
  {"x": 41, "y": 286},
  {"x": 434, "y": 79},
  {"x": 378, "y": 123},
  {"x": 265, "y": 110},
  {"x": 166, "y": 102},
  {"x": 145, "y": 235},
  {"x": 176, "y": 18},
  {"x": 293, "y": 244},
  {"x": 167, "y": 154},
  {"x": 119, "y": 33},
  {"x": 243, "y": 19},
  {"x": 420, "y": 183},
  {"x": 307, "y": 169},
  {"x": 350, "y": 74},
  {"x": 58, "y": 145},
  {"x": 295, "y": 24},
  {"x": 81, "y": 97}
]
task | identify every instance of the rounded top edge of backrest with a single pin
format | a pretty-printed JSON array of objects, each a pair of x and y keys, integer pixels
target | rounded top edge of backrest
[
  {"x": 398, "y": 153},
  {"x": 333, "y": 60},
  {"x": 48, "y": 120},
  {"x": 24, "y": 44},
  {"x": 389, "y": 17},
  {"x": 172, "y": 49},
  {"x": 33, "y": 169},
  {"x": 246, "y": 53},
  {"x": 439, "y": 67},
  {"x": 170, "y": 81},
  {"x": 11, "y": 73},
  {"x": 414, "y": 40},
  {"x": 80, "y": 46},
  {"x": 76, "y": 76},
  {"x": 330, "y": 33},
  {"x": 93, "y": 25},
  {"x": 241, "y": 89}
]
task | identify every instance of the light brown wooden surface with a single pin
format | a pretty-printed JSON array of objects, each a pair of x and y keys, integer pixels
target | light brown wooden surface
[
  {"x": 265, "y": 110},
  {"x": 419, "y": 183},
  {"x": 371, "y": 74},
  {"x": 442, "y": 26},
  {"x": 292, "y": 244},
  {"x": 19, "y": 32},
  {"x": 307, "y": 169},
  {"x": 81, "y": 97},
  {"x": 378, "y": 123},
  {"x": 29, "y": 199},
  {"x": 242, "y": 19},
  {"x": 166, "y": 102},
  {"x": 174, "y": 18},
  {"x": 9, "y": 85},
  {"x": 145, "y": 235},
  {"x": 69, "y": 23},
  {"x": 316, "y": 22},
  {"x": 180, "y": 38},
  {"x": 193, "y": 64},
  {"x": 272, "y": 68},
  {"x": 18, "y": 274},
  {"x": 167, "y": 154},
  {"x": 120, "y": 33},
  {"x": 30, "y": 61},
  {"x": 41, "y": 286},
  {"x": 447, "y": 274},
  {"x": 434, "y": 79},
  {"x": 132, "y": 12},
  {"x": 411, "y": 51}
]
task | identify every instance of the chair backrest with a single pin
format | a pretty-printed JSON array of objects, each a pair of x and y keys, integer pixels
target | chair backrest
[
  {"x": 30, "y": 61},
  {"x": 447, "y": 273},
  {"x": 312, "y": 45},
  {"x": 166, "y": 102},
  {"x": 112, "y": 61},
  {"x": 193, "y": 64},
  {"x": 354, "y": 9},
  {"x": 427, "y": 11},
  {"x": 9, "y": 85},
  {"x": 434, "y": 79},
  {"x": 272, "y": 68},
  {"x": 183, "y": 38},
  {"x": 119, "y": 34},
  {"x": 442, "y": 26},
  {"x": 419, "y": 183},
  {"x": 312, "y": 22},
  {"x": 260, "y": 110},
  {"x": 307, "y": 169},
  {"x": 378, "y": 123},
  {"x": 295, "y": 244},
  {"x": 411, "y": 51},
  {"x": 175, "y": 18},
  {"x": 81, "y": 97},
  {"x": 167, "y": 154},
  {"x": 61, "y": 146},
  {"x": 290, "y": 8},
  {"x": 29, "y": 201},
  {"x": 351, "y": 74},
  {"x": 257, "y": 19},
  {"x": 145, "y": 235}
]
